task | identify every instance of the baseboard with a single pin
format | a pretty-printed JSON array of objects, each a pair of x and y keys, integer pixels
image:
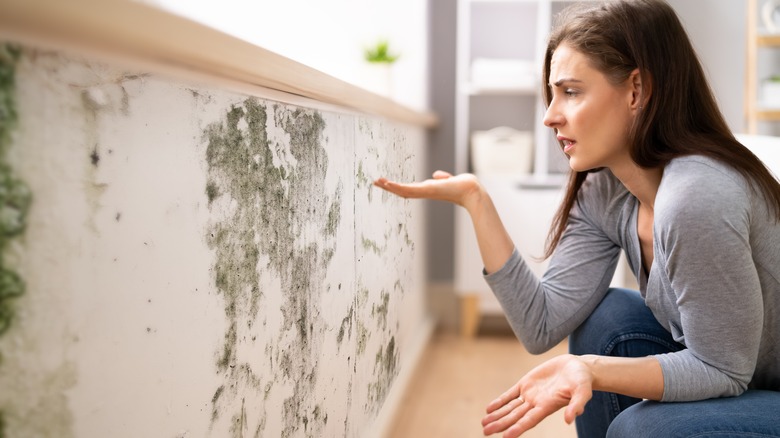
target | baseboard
[{"x": 384, "y": 420}]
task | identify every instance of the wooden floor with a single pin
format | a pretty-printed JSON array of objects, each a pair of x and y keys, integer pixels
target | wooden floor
[{"x": 458, "y": 377}]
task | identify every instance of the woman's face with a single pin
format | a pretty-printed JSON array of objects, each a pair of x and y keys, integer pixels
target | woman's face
[{"x": 591, "y": 116}]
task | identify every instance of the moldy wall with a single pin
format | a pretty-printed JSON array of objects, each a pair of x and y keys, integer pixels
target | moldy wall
[{"x": 200, "y": 262}]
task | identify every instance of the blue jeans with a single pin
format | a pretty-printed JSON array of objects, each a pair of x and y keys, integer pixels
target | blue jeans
[{"x": 623, "y": 326}]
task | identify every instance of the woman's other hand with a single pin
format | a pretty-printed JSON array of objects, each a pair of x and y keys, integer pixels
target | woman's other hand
[
  {"x": 564, "y": 381},
  {"x": 464, "y": 189}
]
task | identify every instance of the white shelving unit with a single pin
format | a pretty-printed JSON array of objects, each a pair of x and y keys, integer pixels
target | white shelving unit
[
  {"x": 525, "y": 203},
  {"x": 466, "y": 90},
  {"x": 526, "y": 212}
]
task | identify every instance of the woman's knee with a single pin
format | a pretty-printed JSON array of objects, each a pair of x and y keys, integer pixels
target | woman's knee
[
  {"x": 631, "y": 424},
  {"x": 617, "y": 311}
]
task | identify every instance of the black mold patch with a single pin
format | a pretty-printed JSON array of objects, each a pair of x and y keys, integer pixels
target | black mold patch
[
  {"x": 214, "y": 400},
  {"x": 271, "y": 207}
]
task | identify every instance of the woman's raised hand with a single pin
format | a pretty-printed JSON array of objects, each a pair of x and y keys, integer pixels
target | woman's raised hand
[{"x": 463, "y": 189}]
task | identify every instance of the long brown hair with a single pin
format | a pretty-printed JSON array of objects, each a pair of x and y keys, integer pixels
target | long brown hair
[{"x": 680, "y": 115}]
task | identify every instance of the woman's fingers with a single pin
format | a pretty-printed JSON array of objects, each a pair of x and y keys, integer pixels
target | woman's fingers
[
  {"x": 506, "y": 421},
  {"x": 527, "y": 422},
  {"x": 510, "y": 394},
  {"x": 440, "y": 174},
  {"x": 412, "y": 190},
  {"x": 502, "y": 411}
]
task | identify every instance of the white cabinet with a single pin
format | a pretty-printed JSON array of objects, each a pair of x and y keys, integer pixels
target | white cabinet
[{"x": 527, "y": 215}]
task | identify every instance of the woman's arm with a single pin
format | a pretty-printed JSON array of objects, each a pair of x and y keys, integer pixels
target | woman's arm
[
  {"x": 495, "y": 245},
  {"x": 541, "y": 312},
  {"x": 639, "y": 377}
]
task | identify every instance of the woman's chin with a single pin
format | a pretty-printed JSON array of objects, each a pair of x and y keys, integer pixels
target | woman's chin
[
  {"x": 581, "y": 166},
  {"x": 577, "y": 165}
]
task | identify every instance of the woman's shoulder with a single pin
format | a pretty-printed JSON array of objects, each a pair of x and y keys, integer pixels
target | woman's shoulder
[
  {"x": 698, "y": 185},
  {"x": 701, "y": 170}
]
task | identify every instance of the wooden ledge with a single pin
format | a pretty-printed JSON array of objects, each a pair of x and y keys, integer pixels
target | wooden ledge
[{"x": 153, "y": 37}]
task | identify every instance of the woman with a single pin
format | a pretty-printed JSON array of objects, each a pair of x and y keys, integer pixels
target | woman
[{"x": 655, "y": 173}]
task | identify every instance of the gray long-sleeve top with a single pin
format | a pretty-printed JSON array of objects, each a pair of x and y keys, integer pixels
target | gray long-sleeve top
[{"x": 714, "y": 283}]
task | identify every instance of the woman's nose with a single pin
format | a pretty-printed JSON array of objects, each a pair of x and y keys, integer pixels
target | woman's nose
[{"x": 552, "y": 117}]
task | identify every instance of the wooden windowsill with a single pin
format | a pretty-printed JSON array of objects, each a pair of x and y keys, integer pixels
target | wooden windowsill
[{"x": 144, "y": 35}]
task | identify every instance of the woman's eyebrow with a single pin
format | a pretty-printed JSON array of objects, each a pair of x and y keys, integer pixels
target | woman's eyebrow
[{"x": 560, "y": 82}]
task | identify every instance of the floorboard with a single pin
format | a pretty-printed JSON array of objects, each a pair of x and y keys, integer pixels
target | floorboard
[{"x": 458, "y": 377}]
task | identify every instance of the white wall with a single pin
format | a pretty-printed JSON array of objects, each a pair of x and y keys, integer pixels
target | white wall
[
  {"x": 328, "y": 35},
  {"x": 717, "y": 29}
]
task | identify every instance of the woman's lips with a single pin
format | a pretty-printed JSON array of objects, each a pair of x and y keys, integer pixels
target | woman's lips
[{"x": 568, "y": 144}]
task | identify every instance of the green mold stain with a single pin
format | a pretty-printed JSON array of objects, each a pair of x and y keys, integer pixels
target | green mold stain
[
  {"x": 271, "y": 207},
  {"x": 362, "y": 181},
  {"x": 362, "y": 337},
  {"x": 346, "y": 324},
  {"x": 370, "y": 245},
  {"x": 334, "y": 213},
  {"x": 15, "y": 196},
  {"x": 385, "y": 370},
  {"x": 381, "y": 310}
]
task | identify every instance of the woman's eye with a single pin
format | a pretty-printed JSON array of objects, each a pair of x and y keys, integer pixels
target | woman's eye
[{"x": 569, "y": 92}]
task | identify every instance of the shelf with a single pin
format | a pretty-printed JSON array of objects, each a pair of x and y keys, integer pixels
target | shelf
[
  {"x": 768, "y": 114},
  {"x": 768, "y": 40}
]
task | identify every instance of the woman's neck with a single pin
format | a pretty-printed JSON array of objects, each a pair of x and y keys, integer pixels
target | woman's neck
[{"x": 642, "y": 183}]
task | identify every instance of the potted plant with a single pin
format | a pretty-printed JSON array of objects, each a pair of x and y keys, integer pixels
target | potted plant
[
  {"x": 380, "y": 53},
  {"x": 380, "y": 61}
]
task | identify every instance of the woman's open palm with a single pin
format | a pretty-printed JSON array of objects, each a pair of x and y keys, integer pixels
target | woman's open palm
[{"x": 458, "y": 189}]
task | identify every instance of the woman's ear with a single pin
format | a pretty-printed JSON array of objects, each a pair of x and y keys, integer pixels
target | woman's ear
[{"x": 640, "y": 90}]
